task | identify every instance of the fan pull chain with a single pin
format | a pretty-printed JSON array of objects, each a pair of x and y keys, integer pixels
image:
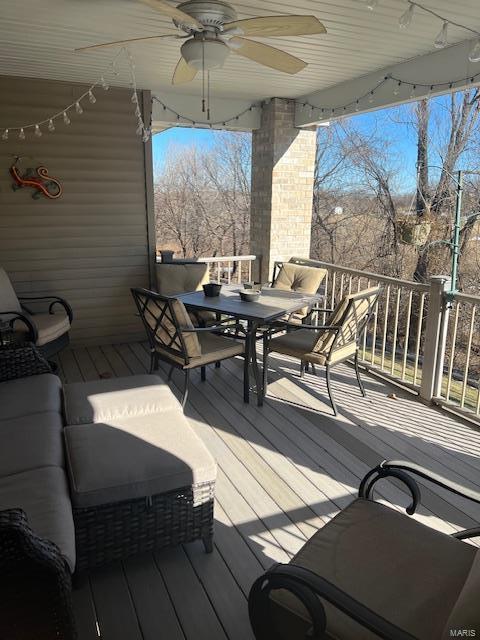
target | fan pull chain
[
  {"x": 208, "y": 95},
  {"x": 203, "y": 75}
]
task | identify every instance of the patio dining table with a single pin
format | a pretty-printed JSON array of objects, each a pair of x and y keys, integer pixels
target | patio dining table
[{"x": 272, "y": 305}]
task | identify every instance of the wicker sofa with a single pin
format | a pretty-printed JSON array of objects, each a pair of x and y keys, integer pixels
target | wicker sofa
[{"x": 127, "y": 475}]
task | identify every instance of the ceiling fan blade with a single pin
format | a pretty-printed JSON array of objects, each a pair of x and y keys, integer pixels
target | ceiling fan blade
[
  {"x": 267, "y": 26},
  {"x": 266, "y": 55},
  {"x": 117, "y": 43},
  {"x": 183, "y": 73},
  {"x": 174, "y": 13}
]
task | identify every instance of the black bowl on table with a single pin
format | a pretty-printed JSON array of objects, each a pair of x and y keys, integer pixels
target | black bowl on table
[
  {"x": 212, "y": 289},
  {"x": 249, "y": 295}
]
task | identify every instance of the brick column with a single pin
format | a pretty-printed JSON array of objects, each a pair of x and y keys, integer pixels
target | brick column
[{"x": 283, "y": 161}]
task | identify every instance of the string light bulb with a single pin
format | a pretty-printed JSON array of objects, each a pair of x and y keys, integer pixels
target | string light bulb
[
  {"x": 104, "y": 84},
  {"x": 406, "y": 18},
  {"x": 441, "y": 40},
  {"x": 139, "y": 130},
  {"x": 51, "y": 126},
  {"x": 21, "y": 135},
  {"x": 474, "y": 55},
  {"x": 370, "y": 98},
  {"x": 66, "y": 119},
  {"x": 38, "y": 131},
  {"x": 78, "y": 108},
  {"x": 396, "y": 91},
  {"x": 134, "y": 98},
  {"x": 372, "y": 4},
  {"x": 5, "y": 135},
  {"x": 413, "y": 94},
  {"x": 91, "y": 97}
]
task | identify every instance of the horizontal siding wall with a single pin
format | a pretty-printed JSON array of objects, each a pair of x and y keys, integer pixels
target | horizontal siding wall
[{"x": 91, "y": 245}]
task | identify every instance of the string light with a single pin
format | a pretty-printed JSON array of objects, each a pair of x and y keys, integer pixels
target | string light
[
  {"x": 474, "y": 55},
  {"x": 441, "y": 40},
  {"x": 222, "y": 123},
  {"x": 49, "y": 122},
  {"x": 372, "y": 4},
  {"x": 406, "y": 18}
]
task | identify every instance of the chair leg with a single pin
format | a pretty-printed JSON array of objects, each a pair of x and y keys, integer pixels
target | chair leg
[
  {"x": 302, "y": 369},
  {"x": 329, "y": 389},
  {"x": 203, "y": 373},
  {"x": 153, "y": 361},
  {"x": 218, "y": 365},
  {"x": 314, "y": 370},
  {"x": 170, "y": 373},
  {"x": 265, "y": 362},
  {"x": 359, "y": 380},
  {"x": 185, "y": 388}
]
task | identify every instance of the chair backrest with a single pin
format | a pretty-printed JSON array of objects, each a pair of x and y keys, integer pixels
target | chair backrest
[
  {"x": 174, "y": 277},
  {"x": 8, "y": 297},
  {"x": 296, "y": 277},
  {"x": 165, "y": 320},
  {"x": 351, "y": 314}
]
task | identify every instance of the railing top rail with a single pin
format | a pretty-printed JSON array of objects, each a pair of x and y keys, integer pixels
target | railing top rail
[
  {"x": 227, "y": 258},
  {"x": 465, "y": 297},
  {"x": 210, "y": 259},
  {"x": 417, "y": 286}
]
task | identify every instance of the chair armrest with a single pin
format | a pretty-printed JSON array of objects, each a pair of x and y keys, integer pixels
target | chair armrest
[
  {"x": 15, "y": 316},
  {"x": 309, "y": 587},
  {"x": 54, "y": 300},
  {"x": 320, "y": 327},
  {"x": 473, "y": 532},
  {"x": 400, "y": 469}
]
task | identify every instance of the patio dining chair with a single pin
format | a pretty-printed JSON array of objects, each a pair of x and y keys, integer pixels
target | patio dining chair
[
  {"x": 174, "y": 278},
  {"x": 32, "y": 318},
  {"x": 174, "y": 339},
  {"x": 329, "y": 344},
  {"x": 288, "y": 276},
  {"x": 373, "y": 572}
]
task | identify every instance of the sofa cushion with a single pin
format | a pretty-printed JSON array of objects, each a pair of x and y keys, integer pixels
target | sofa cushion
[
  {"x": 105, "y": 400},
  {"x": 134, "y": 457},
  {"x": 30, "y": 442},
  {"x": 35, "y": 394},
  {"x": 408, "y": 573},
  {"x": 43, "y": 495},
  {"x": 466, "y": 612}
]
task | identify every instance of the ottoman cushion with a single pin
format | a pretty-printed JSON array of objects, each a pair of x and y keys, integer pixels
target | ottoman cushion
[
  {"x": 105, "y": 400},
  {"x": 135, "y": 457}
]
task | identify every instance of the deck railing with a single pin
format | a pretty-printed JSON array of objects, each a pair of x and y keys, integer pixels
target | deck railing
[
  {"x": 419, "y": 335},
  {"x": 460, "y": 381}
]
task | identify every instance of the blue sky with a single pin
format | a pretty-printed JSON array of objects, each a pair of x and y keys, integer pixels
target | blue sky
[{"x": 392, "y": 123}]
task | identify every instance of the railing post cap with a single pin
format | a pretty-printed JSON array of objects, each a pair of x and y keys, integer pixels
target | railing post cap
[{"x": 439, "y": 278}]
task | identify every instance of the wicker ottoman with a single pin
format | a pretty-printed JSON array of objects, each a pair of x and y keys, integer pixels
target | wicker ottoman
[{"x": 138, "y": 482}]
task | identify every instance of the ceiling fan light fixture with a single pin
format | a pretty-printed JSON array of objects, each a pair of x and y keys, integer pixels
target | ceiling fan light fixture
[{"x": 208, "y": 54}]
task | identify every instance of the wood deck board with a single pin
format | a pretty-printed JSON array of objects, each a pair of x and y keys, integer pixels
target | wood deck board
[{"x": 284, "y": 470}]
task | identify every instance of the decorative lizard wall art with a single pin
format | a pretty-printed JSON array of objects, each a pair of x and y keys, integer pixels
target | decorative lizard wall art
[{"x": 37, "y": 179}]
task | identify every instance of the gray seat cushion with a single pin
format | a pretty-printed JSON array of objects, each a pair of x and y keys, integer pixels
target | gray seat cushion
[
  {"x": 105, "y": 400},
  {"x": 135, "y": 457},
  {"x": 410, "y": 574},
  {"x": 35, "y": 394},
  {"x": 30, "y": 442},
  {"x": 43, "y": 495}
]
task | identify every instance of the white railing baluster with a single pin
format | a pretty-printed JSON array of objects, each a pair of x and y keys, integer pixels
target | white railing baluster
[
  {"x": 395, "y": 332},
  {"x": 374, "y": 335},
  {"x": 469, "y": 351},
  {"x": 452, "y": 351},
  {"x": 407, "y": 334},
  {"x": 419, "y": 337},
  {"x": 385, "y": 328}
]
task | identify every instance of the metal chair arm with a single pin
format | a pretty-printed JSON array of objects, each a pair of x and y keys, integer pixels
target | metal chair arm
[
  {"x": 309, "y": 587},
  {"x": 399, "y": 469},
  {"x": 54, "y": 300},
  {"x": 217, "y": 327},
  {"x": 466, "y": 534},
  {"x": 15, "y": 316}
]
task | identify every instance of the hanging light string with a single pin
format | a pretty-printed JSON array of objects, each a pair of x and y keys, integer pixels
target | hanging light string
[
  {"x": 441, "y": 40},
  {"x": 78, "y": 104},
  {"x": 356, "y": 103},
  {"x": 186, "y": 120}
]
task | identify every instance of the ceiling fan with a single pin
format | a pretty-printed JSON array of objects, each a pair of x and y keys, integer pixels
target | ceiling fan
[{"x": 213, "y": 32}]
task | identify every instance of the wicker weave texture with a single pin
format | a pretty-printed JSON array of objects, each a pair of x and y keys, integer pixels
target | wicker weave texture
[
  {"x": 115, "y": 531},
  {"x": 20, "y": 361},
  {"x": 35, "y": 584}
]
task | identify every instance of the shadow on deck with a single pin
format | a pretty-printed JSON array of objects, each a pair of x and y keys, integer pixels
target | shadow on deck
[{"x": 284, "y": 470}]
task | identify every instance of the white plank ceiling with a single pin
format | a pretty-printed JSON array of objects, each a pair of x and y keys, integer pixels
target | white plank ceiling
[{"x": 37, "y": 38}]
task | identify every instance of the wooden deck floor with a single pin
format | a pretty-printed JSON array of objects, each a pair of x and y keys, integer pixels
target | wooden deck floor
[{"x": 284, "y": 470}]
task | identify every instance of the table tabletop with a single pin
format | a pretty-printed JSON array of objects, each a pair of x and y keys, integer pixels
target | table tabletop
[{"x": 272, "y": 304}]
